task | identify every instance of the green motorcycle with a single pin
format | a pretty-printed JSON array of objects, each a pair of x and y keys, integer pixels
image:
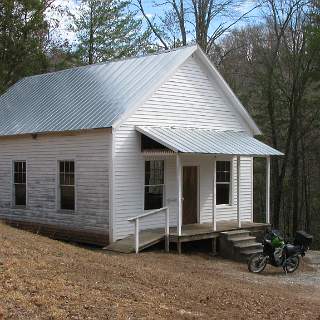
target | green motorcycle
[{"x": 278, "y": 253}]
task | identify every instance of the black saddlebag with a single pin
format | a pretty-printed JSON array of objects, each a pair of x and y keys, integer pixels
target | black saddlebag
[
  {"x": 303, "y": 239},
  {"x": 290, "y": 250}
]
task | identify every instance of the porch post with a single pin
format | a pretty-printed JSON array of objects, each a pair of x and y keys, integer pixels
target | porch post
[
  {"x": 179, "y": 211},
  {"x": 238, "y": 191},
  {"x": 268, "y": 190},
  {"x": 214, "y": 196}
]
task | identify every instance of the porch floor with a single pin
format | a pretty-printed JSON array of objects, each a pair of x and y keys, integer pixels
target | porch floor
[{"x": 191, "y": 232}]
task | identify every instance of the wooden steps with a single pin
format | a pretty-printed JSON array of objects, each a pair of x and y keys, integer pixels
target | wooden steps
[
  {"x": 148, "y": 238},
  {"x": 238, "y": 245}
]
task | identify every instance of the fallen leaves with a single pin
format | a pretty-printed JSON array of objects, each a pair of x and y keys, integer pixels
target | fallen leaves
[{"x": 42, "y": 278}]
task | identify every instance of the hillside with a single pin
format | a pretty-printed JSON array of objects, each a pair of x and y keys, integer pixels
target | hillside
[{"x": 42, "y": 278}]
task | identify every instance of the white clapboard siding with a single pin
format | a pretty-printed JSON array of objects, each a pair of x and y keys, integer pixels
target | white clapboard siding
[
  {"x": 91, "y": 152},
  {"x": 188, "y": 99},
  {"x": 229, "y": 212}
]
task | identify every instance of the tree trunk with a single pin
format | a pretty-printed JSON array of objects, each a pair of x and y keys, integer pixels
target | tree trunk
[
  {"x": 295, "y": 180},
  {"x": 91, "y": 36},
  {"x": 181, "y": 18}
]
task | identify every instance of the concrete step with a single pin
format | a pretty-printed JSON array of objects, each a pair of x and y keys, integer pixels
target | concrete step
[
  {"x": 238, "y": 245},
  {"x": 249, "y": 252},
  {"x": 242, "y": 239},
  {"x": 252, "y": 245},
  {"x": 230, "y": 235},
  {"x": 235, "y": 232},
  {"x": 243, "y": 251},
  {"x": 244, "y": 255}
]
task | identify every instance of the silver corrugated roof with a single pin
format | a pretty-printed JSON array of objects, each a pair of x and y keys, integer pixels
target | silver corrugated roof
[
  {"x": 85, "y": 97},
  {"x": 193, "y": 140}
]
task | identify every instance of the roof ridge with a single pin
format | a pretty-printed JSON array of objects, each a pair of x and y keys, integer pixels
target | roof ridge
[
  {"x": 114, "y": 61},
  {"x": 191, "y": 128}
]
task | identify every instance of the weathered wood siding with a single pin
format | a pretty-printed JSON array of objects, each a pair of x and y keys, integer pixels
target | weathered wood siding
[
  {"x": 188, "y": 99},
  {"x": 91, "y": 152}
]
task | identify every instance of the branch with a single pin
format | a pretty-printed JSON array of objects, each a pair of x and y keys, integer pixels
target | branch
[
  {"x": 220, "y": 30},
  {"x": 151, "y": 25}
]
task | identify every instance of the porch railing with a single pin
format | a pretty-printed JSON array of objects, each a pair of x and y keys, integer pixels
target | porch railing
[{"x": 136, "y": 221}]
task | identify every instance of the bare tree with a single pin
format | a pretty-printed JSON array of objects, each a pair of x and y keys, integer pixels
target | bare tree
[
  {"x": 271, "y": 66},
  {"x": 204, "y": 21}
]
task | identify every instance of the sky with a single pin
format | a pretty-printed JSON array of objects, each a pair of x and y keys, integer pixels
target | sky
[
  {"x": 64, "y": 21},
  {"x": 61, "y": 28}
]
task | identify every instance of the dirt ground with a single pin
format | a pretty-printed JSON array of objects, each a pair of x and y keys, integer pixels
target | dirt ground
[{"x": 42, "y": 278}]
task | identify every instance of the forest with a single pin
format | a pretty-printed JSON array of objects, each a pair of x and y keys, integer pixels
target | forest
[{"x": 268, "y": 51}]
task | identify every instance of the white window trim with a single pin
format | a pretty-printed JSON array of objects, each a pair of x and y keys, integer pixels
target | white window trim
[
  {"x": 58, "y": 200},
  {"x": 13, "y": 198},
  {"x": 231, "y": 183},
  {"x": 154, "y": 185}
]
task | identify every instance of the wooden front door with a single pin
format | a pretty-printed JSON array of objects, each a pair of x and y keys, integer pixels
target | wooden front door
[{"x": 190, "y": 195}]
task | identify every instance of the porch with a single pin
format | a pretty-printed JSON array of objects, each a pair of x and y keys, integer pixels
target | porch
[
  {"x": 189, "y": 233},
  {"x": 208, "y": 181},
  {"x": 211, "y": 174}
]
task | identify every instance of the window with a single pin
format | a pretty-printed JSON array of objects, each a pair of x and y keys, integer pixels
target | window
[
  {"x": 19, "y": 180},
  {"x": 223, "y": 180},
  {"x": 154, "y": 184},
  {"x": 66, "y": 185}
]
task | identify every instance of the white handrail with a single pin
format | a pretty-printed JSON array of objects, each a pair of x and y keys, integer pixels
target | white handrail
[
  {"x": 148, "y": 213},
  {"x": 136, "y": 221}
]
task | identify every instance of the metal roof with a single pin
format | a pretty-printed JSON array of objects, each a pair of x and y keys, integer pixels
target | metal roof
[
  {"x": 85, "y": 97},
  {"x": 193, "y": 140}
]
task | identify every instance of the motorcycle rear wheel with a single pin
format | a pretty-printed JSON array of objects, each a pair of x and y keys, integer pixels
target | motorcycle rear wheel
[
  {"x": 292, "y": 264},
  {"x": 257, "y": 263}
]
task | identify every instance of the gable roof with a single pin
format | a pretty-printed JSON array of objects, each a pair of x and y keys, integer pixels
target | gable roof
[
  {"x": 95, "y": 96},
  {"x": 208, "y": 141}
]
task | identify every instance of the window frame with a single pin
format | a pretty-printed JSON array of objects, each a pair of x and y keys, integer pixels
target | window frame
[
  {"x": 58, "y": 187},
  {"x": 13, "y": 184},
  {"x": 154, "y": 185},
  {"x": 230, "y": 183}
]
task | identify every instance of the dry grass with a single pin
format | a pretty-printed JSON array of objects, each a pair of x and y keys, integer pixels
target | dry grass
[{"x": 46, "y": 279}]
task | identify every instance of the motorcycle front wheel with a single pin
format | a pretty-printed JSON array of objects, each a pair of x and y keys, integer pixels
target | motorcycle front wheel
[
  {"x": 257, "y": 263},
  {"x": 292, "y": 264}
]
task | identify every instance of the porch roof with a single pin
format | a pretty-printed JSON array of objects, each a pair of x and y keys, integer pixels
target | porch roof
[{"x": 206, "y": 141}]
